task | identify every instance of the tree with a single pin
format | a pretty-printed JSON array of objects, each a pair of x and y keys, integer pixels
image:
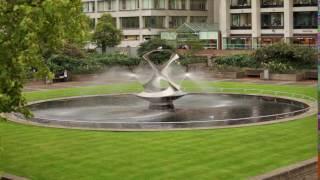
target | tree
[
  {"x": 106, "y": 33},
  {"x": 158, "y": 57},
  {"x": 30, "y": 31}
]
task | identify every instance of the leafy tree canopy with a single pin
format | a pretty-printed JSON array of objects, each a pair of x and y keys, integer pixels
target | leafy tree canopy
[
  {"x": 106, "y": 33},
  {"x": 31, "y": 30}
]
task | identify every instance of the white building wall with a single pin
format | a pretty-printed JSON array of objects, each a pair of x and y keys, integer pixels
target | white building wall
[{"x": 141, "y": 31}]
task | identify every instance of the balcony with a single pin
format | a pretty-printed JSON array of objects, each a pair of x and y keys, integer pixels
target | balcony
[
  {"x": 240, "y": 4},
  {"x": 305, "y": 27},
  {"x": 272, "y": 27},
  {"x": 243, "y": 27},
  {"x": 305, "y": 3},
  {"x": 272, "y": 4},
  {"x": 245, "y": 6}
]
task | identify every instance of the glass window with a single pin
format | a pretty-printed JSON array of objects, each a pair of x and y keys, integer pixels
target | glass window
[
  {"x": 176, "y": 21},
  {"x": 240, "y": 4},
  {"x": 198, "y": 19},
  {"x": 199, "y": 5},
  {"x": 305, "y": 20},
  {"x": 153, "y": 4},
  {"x": 241, "y": 21},
  {"x": 154, "y": 21},
  {"x": 129, "y": 4},
  {"x": 131, "y": 37},
  {"x": 272, "y": 21},
  {"x": 177, "y": 4},
  {"x": 271, "y": 3},
  {"x": 88, "y": 7},
  {"x": 129, "y": 22},
  {"x": 106, "y": 5}
]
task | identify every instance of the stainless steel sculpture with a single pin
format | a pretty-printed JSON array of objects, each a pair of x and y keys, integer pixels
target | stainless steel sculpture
[{"x": 161, "y": 98}]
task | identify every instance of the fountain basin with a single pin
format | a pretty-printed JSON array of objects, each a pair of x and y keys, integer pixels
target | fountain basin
[{"x": 195, "y": 110}]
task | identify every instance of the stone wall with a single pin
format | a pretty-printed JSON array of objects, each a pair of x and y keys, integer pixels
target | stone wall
[{"x": 306, "y": 170}]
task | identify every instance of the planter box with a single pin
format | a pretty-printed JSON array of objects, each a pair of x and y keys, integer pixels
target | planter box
[
  {"x": 285, "y": 77},
  {"x": 311, "y": 74},
  {"x": 198, "y": 67},
  {"x": 229, "y": 75},
  {"x": 253, "y": 72}
]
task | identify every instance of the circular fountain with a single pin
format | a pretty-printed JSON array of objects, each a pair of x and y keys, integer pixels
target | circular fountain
[{"x": 161, "y": 107}]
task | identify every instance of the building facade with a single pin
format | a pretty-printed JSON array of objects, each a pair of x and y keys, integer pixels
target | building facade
[
  {"x": 243, "y": 24},
  {"x": 246, "y": 24},
  {"x": 141, "y": 20}
]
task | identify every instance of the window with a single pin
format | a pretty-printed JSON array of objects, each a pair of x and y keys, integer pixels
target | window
[
  {"x": 199, "y": 5},
  {"x": 154, "y": 22},
  {"x": 129, "y": 22},
  {"x": 272, "y": 21},
  {"x": 240, "y": 4},
  {"x": 148, "y": 37},
  {"x": 198, "y": 19},
  {"x": 129, "y": 4},
  {"x": 305, "y": 20},
  {"x": 299, "y": 3},
  {"x": 131, "y": 37},
  {"x": 88, "y": 7},
  {"x": 106, "y": 5},
  {"x": 271, "y": 3},
  {"x": 241, "y": 21},
  {"x": 92, "y": 23},
  {"x": 177, "y": 4},
  {"x": 153, "y": 4},
  {"x": 176, "y": 21}
]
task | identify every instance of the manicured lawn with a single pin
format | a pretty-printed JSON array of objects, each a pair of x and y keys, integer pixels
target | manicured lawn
[{"x": 238, "y": 153}]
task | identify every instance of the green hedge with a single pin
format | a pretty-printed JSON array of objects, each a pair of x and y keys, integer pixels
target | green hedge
[
  {"x": 289, "y": 56},
  {"x": 240, "y": 61}
]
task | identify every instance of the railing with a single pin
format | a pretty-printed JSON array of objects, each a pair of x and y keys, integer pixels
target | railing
[
  {"x": 240, "y": 27},
  {"x": 305, "y": 4},
  {"x": 305, "y": 27},
  {"x": 272, "y": 27},
  {"x": 275, "y": 5},
  {"x": 245, "y": 6}
]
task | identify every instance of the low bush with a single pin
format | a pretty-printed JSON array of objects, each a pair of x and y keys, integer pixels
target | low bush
[
  {"x": 298, "y": 57},
  {"x": 186, "y": 60},
  {"x": 58, "y": 63},
  {"x": 115, "y": 60},
  {"x": 235, "y": 62},
  {"x": 278, "y": 67}
]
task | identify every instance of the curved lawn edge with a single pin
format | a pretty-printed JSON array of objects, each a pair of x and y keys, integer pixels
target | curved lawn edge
[{"x": 238, "y": 153}]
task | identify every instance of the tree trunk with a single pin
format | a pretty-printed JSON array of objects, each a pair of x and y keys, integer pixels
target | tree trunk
[{"x": 103, "y": 48}]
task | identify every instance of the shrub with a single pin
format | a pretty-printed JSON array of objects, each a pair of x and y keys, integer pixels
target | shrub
[
  {"x": 115, "y": 60},
  {"x": 278, "y": 67},
  {"x": 235, "y": 61},
  {"x": 58, "y": 63},
  {"x": 185, "y": 60},
  {"x": 292, "y": 55}
]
